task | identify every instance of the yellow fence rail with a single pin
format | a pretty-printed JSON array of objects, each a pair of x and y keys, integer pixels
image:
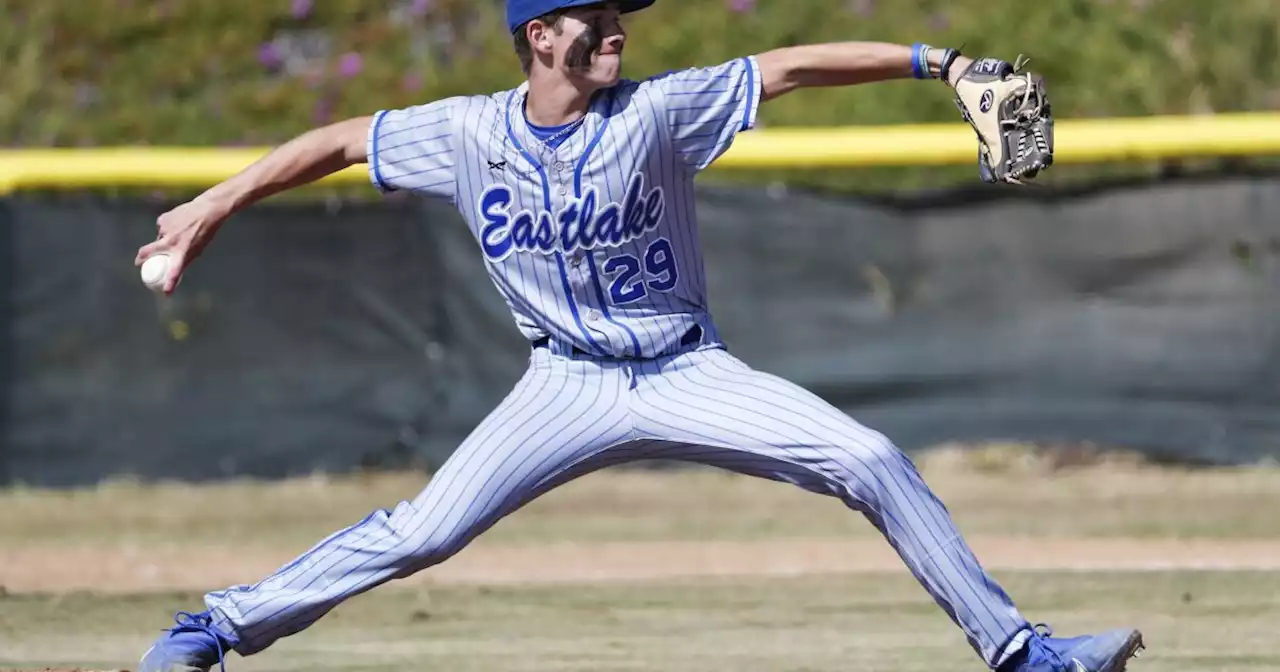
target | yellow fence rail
[{"x": 1077, "y": 141}]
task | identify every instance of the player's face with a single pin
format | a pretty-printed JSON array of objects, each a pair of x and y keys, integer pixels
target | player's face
[{"x": 589, "y": 46}]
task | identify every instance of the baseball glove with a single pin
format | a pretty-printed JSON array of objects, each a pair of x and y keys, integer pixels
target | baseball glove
[{"x": 1009, "y": 110}]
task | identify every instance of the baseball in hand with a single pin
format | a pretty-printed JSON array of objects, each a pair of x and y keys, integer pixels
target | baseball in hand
[{"x": 154, "y": 271}]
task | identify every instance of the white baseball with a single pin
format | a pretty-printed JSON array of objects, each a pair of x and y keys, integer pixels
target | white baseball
[{"x": 154, "y": 270}]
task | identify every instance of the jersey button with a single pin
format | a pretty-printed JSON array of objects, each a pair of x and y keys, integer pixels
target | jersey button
[
  {"x": 593, "y": 315},
  {"x": 561, "y": 190}
]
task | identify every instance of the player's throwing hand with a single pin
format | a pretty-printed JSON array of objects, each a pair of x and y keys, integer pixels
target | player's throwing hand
[{"x": 183, "y": 233}]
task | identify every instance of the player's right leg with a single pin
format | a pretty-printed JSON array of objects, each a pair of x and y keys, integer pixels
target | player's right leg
[
  {"x": 712, "y": 408},
  {"x": 560, "y": 415}
]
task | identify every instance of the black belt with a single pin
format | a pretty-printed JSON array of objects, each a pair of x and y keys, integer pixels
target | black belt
[{"x": 691, "y": 337}]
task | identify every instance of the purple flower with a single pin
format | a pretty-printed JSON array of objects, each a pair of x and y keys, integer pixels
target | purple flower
[
  {"x": 269, "y": 55},
  {"x": 411, "y": 83},
  {"x": 301, "y": 9},
  {"x": 420, "y": 7},
  {"x": 741, "y": 5},
  {"x": 323, "y": 111},
  {"x": 350, "y": 64}
]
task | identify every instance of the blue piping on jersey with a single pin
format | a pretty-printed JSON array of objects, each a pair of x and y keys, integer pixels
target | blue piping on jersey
[
  {"x": 546, "y": 200},
  {"x": 577, "y": 193},
  {"x": 751, "y": 94},
  {"x": 373, "y": 155},
  {"x": 545, "y": 133}
]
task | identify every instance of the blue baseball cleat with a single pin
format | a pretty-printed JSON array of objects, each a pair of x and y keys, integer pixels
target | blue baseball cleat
[
  {"x": 1106, "y": 652},
  {"x": 194, "y": 646}
]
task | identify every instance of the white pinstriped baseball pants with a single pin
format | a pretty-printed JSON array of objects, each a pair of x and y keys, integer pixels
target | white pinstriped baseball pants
[{"x": 568, "y": 416}]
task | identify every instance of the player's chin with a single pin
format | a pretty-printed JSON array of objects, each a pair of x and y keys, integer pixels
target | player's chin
[
  {"x": 598, "y": 79},
  {"x": 607, "y": 69}
]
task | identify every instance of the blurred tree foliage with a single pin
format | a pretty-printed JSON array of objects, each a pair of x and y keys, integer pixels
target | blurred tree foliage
[{"x": 237, "y": 72}]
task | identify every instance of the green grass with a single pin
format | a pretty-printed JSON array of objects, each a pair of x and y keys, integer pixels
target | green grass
[
  {"x": 1201, "y": 621},
  {"x": 1193, "y": 621},
  {"x": 161, "y": 72}
]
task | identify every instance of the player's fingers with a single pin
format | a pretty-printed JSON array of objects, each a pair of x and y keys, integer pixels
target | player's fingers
[
  {"x": 165, "y": 219},
  {"x": 151, "y": 249},
  {"x": 177, "y": 263}
]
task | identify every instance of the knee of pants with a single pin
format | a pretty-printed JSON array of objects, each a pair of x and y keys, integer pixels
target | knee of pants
[
  {"x": 871, "y": 465},
  {"x": 424, "y": 542}
]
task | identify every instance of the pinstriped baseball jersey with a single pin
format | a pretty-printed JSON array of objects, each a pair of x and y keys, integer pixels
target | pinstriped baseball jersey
[{"x": 593, "y": 242}]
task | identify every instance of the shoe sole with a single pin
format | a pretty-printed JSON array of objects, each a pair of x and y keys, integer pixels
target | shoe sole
[{"x": 1133, "y": 648}]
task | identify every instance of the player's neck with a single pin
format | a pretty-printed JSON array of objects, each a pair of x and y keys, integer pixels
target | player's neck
[{"x": 555, "y": 101}]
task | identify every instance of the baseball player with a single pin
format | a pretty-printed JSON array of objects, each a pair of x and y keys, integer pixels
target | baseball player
[{"x": 578, "y": 187}]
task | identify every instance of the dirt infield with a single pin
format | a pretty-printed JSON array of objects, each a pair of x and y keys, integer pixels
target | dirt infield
[{"x": 134, "y": 570}]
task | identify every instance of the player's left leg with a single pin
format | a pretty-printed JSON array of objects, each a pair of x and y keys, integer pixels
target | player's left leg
[
  {"x": 564, "y": 417},
  {"x": 728, "y": 415}
]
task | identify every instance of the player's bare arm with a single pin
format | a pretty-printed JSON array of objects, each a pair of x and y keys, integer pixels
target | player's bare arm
[
  {"x": 186, "y": 230},
  {"x": 1008, "y": 109},
  {"x": 845, "y": 63}
]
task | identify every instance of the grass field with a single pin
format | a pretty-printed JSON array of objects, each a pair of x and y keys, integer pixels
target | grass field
[
  {"x": 667, "y": 571},
  {"x": 1194, "y": 621}
]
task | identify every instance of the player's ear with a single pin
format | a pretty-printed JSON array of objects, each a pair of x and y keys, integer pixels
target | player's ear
[{"x": 540, "y": 34}]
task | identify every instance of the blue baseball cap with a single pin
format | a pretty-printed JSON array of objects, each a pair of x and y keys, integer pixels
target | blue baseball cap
[{"x": 520, "y": 12}]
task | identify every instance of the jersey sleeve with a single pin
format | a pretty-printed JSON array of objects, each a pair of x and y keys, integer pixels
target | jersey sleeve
[
  {"x": 707, "y": 107},
  {"x": 412, "y": 149}
]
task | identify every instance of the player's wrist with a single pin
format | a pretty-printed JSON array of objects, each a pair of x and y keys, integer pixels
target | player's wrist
[
  {"x": 929, "y": 62},
  {"x": 952, "y": 69},
  {"x": 217, "y": 202}
]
